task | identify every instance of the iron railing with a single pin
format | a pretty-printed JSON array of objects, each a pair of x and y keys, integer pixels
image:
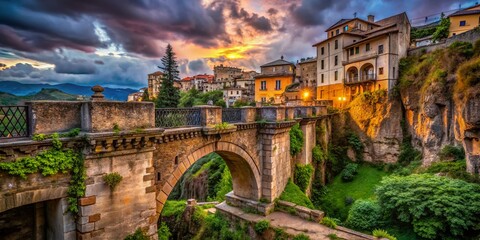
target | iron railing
[
  {"x": 14, "y": 122},
  {"x": 300, "y": 112},
  {"x": 177, "y": 117},
  {"x": 231, "y": 115}
]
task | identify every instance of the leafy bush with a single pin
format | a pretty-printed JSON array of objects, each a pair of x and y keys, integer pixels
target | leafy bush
[
  {"x": 379, "y": 233},
  {"x": 442, "y": 30},
  {"x": 137, "y": 235},
  {"x": 292, "y": 193},
  {"x": 451, "y": 153},
  {"x": 349, "y": 172},
  {"x": 164, "y": 232},
  {"x": 318, "y": 155},
  {"x": 329, "y": 222},
  {"x": 262, "y": 226},
  {"x": 296, "y": 139},
  {"x": 173, "y": 208},
  {"x": 303, "y": 175},
  {"x": 301, "y": 236},
  {"x": 112, "y": 179},
  {"x": 364, "y": 215},
  {"x": 437, "y": 207}
]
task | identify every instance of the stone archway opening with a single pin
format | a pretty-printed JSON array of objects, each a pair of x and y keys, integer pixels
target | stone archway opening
[{"x": 245, "y": 172}]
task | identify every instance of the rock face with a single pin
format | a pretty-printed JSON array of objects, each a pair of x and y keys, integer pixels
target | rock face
[
  {"x": 467, "y": 129},
  {"x": 429, "y": 117},
  {"x": 377, "y": 120}
]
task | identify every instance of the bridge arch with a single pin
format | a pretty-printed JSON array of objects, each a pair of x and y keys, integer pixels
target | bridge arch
[{"x": 246, "y": 174}]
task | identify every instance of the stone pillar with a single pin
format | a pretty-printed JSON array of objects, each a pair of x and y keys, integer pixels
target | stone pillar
[
  {"x": 308, "y": 128},
  {"x": 248, "y": 114},
  {"x": 210, "y": 115},
  {"x": 289, "y": 113},
  {"x": 276, "y": 164}
]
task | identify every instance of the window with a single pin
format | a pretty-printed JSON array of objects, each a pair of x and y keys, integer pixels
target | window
[
  {"x": 351, "y": 52},
  {"x": 357, "y": 50},
  {"x": 237, "y": 93},
  {"x": 263, "y": 85},
  {"x": 336, "y": 44},
  {"x": 336, "y": 60},
  {"x": 337, "y": 32},
  {"x": 323, "y": 50},
  {"x": 393, "y": 72},
  {"x": 273, "y": 69},
  {"x": 321, "y": 94},
  {"x": 278, "y": 85},
  {"x": 322, "y": 64},
  {"x": 345, "y": 28},
  {"x": 336, "y": 75},
  {"x": 380, "y": 71},
  {"x": 264, "y": 99},
  {"x": 322, "y": 79},
  {"x": 367, "y": 47},
  {"x": 463, "y": 23},
  {"x": 332, "y": 33},
  {"x": 380, "y": 49}
]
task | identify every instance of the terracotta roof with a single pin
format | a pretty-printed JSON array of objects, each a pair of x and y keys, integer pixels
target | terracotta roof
[
  {"x": 466, "y": 11},
  {"x": 278, "y": 62},
  {"x": 157, "y": 73}
]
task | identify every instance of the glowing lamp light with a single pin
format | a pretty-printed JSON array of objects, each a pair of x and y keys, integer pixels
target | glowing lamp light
[{"x": 306, "y": 94}]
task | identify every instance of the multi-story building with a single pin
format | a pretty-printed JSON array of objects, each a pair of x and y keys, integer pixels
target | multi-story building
[
  {"x": 154, "y": 84},
  {"x": 186, "y": 84},
  {"x": 464, "y": 20},
  {"x": 136, "y": 96},
  {"x": 226, "y": 75},
  {"x": 271, "y": 82},
  {"x": 232, "y": 94},
  {"x": 360, "y": 55},
  {"x": 246, "y": 81},
  {"x": 306, "y": 73}
]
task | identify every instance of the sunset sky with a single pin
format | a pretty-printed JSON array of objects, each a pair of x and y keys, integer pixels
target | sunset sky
[{"x": 116, "y": 43}]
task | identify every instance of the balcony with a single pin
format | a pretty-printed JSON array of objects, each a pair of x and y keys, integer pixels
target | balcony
[
  {"x": 363, "y": 79},
  {"x": 360, "y": 57}
]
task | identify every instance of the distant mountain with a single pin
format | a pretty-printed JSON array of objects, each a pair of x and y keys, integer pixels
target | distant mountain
[
  {"x": 44, "y": 94},
  {"x": 21, "y": 89}
]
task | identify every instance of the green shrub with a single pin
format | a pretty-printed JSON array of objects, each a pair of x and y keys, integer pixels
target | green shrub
[
  {"x": 441, "y": 32},
  {"x": 303, "y": 175},
  {"x": 296, "y": 139},
  {"x": 452, "y": 153},
  {"x": 329, "y": 222},
  {"x": 280, "y": 234},
  {"x": 318, "y": 155},
  {"x": 301, "y": 236},
  {"x": 379, "y": 233},
  {"x": 112, "y": 179},
  {"x": 333, "y": 236},
  {"x": 437, "y": 207},
  {"x": 294, "y": 194},
  {"x": 116, "y": 128},
  {"x": 137, "y": 235},
  {"x": 349, "y": 172},
  {"x": 164, "y": 232},
  {"x": 364, "y": 215},
  {"x": 408, "y": 153},
  {"x": 173, "y": 208},
  {"x": 262, "y": 226}
]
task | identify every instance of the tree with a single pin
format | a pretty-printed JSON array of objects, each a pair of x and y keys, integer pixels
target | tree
[
  {"x": 364, "y": 215},
  {"x": 169, "y": 95},
  {"x": 442, "y": 30},
  {"x": 437, "y": 207}
]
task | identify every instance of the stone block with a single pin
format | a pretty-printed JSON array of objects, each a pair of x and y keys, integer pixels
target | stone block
[
  {"x": 151, "y": 189},
  {"x": 317, "y": 215},
  {"x": 94, "y": 218},
  {"x": 286, "y": 204},
  {"x": 87, "y": 210},
  {"x": 150, "y": 170},
  {"x": 85, "y": 201},
  {"x": 83, "y": 236},
  {"x": 98, "y": 233},
  {"x": 84, "y": 228},
  {"x": 148, "y": 177}
]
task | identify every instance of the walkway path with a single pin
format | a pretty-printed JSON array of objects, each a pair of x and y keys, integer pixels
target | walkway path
[{"x": 295, "y": 225}]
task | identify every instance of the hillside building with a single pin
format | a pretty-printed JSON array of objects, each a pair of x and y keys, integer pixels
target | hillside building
[
  {"x": 360, "y": 55},
  {"x": 464, "y": 20},
  {"x": 271, "y": 82}
]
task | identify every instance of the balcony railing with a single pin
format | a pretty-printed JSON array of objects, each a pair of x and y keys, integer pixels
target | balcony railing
[
  {"x": 231, "y": 115},
  {"x": 368, "y": 77},
  {"x": 14, "y": 121},
  {"x": 177, "y": 117}
]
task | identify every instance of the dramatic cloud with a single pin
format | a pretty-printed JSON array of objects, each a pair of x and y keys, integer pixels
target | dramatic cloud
[{"x": 117, "y": 43}]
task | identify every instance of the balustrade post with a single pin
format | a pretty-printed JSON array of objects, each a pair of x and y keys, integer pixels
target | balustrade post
[
  {"x": 248, "y": 114},
  {"x": 289, "y": 113},
  {"x": 210, "y": 115}
]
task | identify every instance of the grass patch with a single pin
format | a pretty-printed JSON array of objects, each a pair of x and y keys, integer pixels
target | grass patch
[
  {"x": 294, "y": 194},
  {"x": 361, "y": 187},
  {"x": 173, "y": 208}
]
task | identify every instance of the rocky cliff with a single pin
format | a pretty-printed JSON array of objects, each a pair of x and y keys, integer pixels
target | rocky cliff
[{"x": 437, "y": 101}]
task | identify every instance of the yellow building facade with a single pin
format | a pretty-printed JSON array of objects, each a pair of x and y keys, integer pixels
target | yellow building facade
[
  {"x": 464, "y": 20},
  {"x": 270, "y": 84}
]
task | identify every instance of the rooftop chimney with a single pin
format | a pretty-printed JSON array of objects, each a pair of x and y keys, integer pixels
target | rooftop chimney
[
  {"x": 371, "y": 18},
  {"x": 281, "y": 57}
]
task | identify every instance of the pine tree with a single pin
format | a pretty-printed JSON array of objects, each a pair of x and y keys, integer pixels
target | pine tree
[{"x": 169, "y": 96}]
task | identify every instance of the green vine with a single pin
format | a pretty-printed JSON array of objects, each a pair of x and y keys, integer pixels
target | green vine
[
  {"x": 303, "y": 175},
  {"x": 50, "y": 162},
  {"x": 296, "y": 139},
  {"x": 112, "y": 179}
]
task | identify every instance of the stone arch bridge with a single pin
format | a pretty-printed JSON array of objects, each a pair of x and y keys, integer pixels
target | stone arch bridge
[{"x": 150, "y": 158}]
